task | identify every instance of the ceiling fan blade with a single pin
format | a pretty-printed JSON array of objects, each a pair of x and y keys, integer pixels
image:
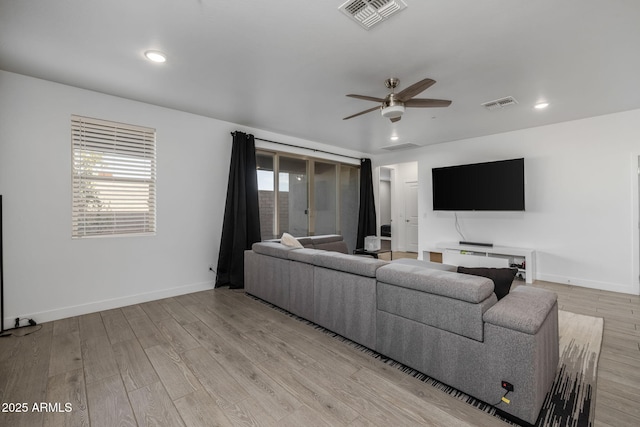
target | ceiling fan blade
[
  {"x": 366, "y": 98},
  {"x": 414, "y": 89},
  {"x": 362, "y": 112},
  {"x": 425, "y": 103}
]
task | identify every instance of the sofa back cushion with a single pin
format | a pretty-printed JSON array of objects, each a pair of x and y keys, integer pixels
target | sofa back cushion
[
  {"x": 330, "y": 242},
  {"x": 464, "y": 287},
  {"x": 306, "y": 255},
  {"x": 305, "y": 241},
  {"x": 362, "y": 266},
  {"x": 425, "y": 264},
  {"x": 273, "y": 249},
  {"x": 445, "y": 300},
  {"x": 449, "y": 314}
]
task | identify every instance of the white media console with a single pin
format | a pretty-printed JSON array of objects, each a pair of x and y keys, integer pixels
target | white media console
[{"x": 488, "y": 256}]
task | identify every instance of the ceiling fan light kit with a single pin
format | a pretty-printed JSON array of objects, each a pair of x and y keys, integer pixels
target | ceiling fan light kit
[{"x": 393, "y": 111}]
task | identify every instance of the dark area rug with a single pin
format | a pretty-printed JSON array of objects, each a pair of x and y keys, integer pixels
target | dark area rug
[{"x": 570, "y": 402}]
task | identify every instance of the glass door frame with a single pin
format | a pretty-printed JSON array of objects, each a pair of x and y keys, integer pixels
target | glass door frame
[{"x": 310, "y": 162}]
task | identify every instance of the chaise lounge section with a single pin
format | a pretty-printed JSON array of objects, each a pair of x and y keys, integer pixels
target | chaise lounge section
[
  {"x": 447, "y": 325},
  {"x": 451, "y": 327}
]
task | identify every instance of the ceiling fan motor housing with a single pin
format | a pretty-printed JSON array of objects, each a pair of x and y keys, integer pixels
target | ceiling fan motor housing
[{"x": 392, "y": 108}]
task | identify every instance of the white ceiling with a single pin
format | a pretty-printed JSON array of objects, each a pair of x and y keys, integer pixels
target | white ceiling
[{"x": 286, "y": 65}]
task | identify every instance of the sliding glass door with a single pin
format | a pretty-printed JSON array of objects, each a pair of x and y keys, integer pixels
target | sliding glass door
[
  {"x": 305, "y": 196},
  {"x": 325, "y": 198},
  {"x": 349, "y": 203},
  {"x": 282, "y": 196},
  {"x": 265, "y": 168},
  {"x": 293, "y": 197}
]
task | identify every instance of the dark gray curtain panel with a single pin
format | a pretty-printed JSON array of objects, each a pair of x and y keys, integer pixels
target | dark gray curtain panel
[
  {"x": 241, "y": 223},
  {"x": 367, "y": 210}
]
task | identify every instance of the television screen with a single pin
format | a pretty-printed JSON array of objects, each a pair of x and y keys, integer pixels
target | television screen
[{"x": 491, "y": 186}]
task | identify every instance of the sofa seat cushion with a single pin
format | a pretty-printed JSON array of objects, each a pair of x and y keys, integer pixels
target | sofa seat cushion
[
  {"x": 464, "y": 287},
  {"x": 362, "y": 266},
  {"x": 523, "y": 310},
  {"x": 273, "y": 249}
]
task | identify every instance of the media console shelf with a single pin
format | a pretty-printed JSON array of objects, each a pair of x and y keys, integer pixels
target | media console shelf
[{"x": 495, "y": 256}]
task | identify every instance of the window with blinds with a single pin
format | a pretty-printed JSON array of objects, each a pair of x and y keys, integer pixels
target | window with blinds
[{"x": 114, "y": 178}]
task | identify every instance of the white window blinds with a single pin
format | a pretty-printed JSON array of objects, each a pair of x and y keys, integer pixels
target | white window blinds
[{"x": 114, "y": 178}]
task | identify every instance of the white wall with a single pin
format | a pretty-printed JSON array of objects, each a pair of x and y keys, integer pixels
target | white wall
[
  {"x": 47, "y": 274},
  {"x": 582, "y": 207},
  {"x": 581, "y": 198}
]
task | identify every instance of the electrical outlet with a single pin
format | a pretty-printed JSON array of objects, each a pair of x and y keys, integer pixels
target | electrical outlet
[{"x": 507, "y": 386}]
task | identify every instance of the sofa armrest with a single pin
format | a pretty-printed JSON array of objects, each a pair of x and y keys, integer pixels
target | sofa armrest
[{"x": 524, "y": 309}]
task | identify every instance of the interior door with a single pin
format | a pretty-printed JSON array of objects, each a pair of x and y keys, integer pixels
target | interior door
[
  {"x": 385, "y": 207},
  {"x": 411, "y": 215}
]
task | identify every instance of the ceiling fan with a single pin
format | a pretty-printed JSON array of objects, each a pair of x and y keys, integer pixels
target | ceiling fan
[{"x": 392, "y": 106}]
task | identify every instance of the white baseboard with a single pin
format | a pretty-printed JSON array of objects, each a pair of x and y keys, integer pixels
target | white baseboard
[
  {"x": 92, "y": 307},
  {"x": 585, "y": 283}
]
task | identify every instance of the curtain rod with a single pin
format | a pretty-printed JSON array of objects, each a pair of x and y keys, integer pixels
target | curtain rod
[{"x": 304, "y": 148}]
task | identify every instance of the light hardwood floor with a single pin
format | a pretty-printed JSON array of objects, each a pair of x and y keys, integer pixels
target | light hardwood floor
[{"x": 221, "y": 358}]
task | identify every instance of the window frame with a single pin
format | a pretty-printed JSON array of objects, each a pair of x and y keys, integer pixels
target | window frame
[{"x": 118, "y": 162}]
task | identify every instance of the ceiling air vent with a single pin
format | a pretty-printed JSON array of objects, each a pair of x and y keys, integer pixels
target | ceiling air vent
[
  {"x": 500, "y": 103},
  {"x": 368, "y": 13},
  {"x": 405, "y": 146}
]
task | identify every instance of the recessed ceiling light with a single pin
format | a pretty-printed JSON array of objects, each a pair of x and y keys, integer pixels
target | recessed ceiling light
[
  {"x": 541, "y": 105},
  {"x": 155, "y": 56},
  {"x": 394, "y": 137}
]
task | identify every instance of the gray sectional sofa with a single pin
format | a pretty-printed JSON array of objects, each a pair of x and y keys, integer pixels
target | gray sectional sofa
[{"x": 447, "y": 325}]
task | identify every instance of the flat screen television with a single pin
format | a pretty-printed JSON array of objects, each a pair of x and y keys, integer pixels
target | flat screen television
[{"x": 490, "y": 186}]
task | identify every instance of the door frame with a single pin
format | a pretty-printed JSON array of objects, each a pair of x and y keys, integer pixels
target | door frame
[
  {"x": 635, "y": 225},
  {"x": 405, "y": 187},
  {"x": 400, "y": 173}
]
